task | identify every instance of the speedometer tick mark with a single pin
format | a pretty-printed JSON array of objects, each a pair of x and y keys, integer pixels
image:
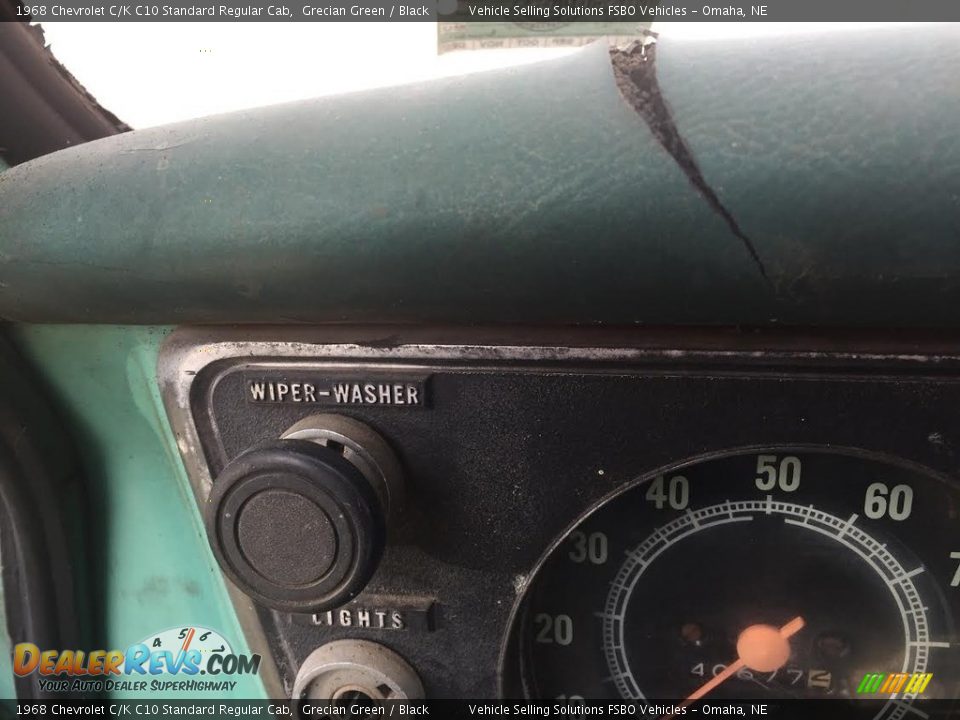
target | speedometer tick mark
[
  {"x": 910, "y": 708},
  {"x": 850, "y": 521},
  {"x": 905, "y": 576},
  {"x": 614, "y": 678}
]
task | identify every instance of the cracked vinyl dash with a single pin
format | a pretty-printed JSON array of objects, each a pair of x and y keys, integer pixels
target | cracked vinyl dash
[{"x": 635, "y": 71}]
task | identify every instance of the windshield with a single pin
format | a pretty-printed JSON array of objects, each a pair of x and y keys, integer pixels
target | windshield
[{"x": 153, "y": 73}]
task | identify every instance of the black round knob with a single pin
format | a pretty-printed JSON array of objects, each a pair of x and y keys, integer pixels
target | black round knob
[{"x": 295, "y": 525}]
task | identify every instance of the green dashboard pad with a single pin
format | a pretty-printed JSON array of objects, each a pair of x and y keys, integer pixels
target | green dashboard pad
[{"x": 528, "y": 195}]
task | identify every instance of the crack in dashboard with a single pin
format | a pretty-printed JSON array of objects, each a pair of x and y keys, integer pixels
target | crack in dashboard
[{"x": 636, "y": 76}]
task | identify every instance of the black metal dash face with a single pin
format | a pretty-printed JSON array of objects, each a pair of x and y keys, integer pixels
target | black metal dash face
[{"x": 514, "y": 458}]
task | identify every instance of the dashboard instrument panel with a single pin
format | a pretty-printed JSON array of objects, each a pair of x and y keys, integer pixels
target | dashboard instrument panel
[{"x": 603, "y": 519}]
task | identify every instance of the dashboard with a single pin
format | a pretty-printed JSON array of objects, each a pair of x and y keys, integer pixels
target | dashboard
[{"x": 617, "y": 516}]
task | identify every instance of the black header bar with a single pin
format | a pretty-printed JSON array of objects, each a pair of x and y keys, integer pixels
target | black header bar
[
  {"x": 162, "y": 709},
  {"x": 559, "y": 13}
]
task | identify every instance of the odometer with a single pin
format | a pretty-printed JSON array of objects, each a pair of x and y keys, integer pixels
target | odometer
[{"x": 778, "y": 573}]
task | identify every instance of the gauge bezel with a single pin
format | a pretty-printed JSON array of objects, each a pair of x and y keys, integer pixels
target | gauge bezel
[{"x": 516, "y": 623}]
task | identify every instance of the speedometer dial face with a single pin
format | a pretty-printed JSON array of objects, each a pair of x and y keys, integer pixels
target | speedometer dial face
[{"x": 772, "y": 575}]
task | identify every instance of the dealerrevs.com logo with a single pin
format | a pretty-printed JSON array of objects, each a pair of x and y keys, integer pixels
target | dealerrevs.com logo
[{"x": 183, "y": 659}]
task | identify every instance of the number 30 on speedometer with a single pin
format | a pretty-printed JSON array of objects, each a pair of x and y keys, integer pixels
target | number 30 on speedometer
[{"x": 780, "y": 573}]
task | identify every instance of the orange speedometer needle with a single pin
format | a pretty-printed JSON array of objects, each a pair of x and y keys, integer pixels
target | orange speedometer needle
[{"x": 763, "y": 648}]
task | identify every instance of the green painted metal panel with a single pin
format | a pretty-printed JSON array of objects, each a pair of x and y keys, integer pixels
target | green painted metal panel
[
  {"x": 7, "y": 690},
  {"x": 147, "y": 531}
]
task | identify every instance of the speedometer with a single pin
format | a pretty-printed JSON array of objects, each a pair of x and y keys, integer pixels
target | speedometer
[{"x": 778, "y": 573}]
